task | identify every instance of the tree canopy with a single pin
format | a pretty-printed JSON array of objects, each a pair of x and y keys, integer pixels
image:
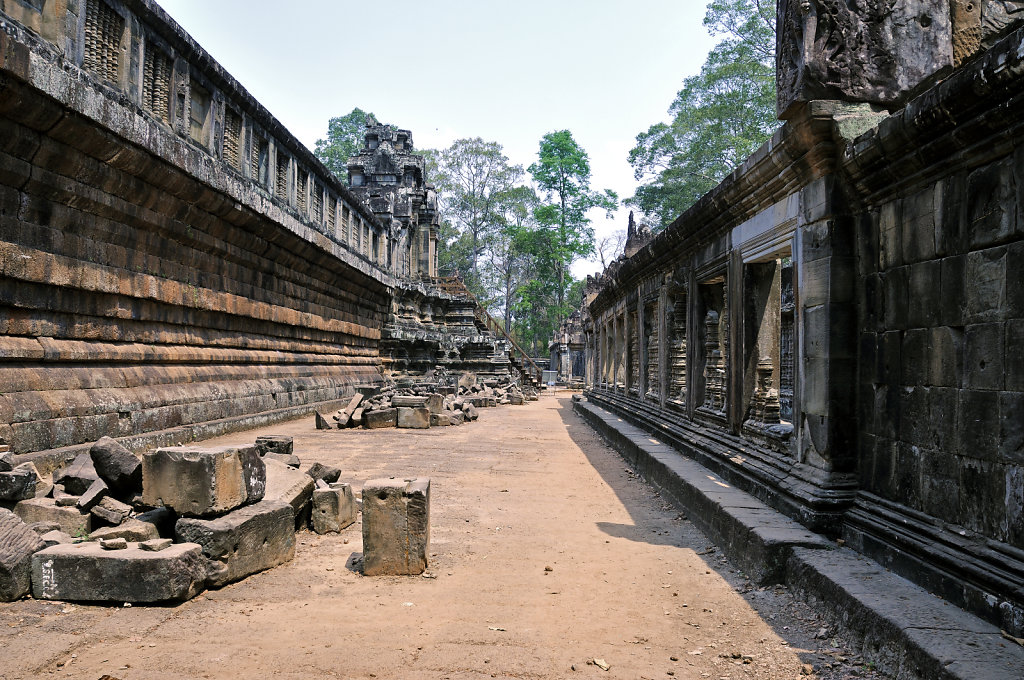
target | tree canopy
[
  {"x": 719, "y": 117},
  {"x": 345, "y": 136}
]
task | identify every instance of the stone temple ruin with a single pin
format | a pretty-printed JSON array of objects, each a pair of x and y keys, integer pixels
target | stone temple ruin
[
  {"x": 835, "y": 329},
  {"x": 838, "y": 328}
]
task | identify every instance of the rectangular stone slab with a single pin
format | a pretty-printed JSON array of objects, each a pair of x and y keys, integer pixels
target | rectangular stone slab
[
  {"x": 245, "y": 541},
  {"x": 387, "y": 417},
  {"x": 408, "y": 401},
  {"x": 201, "y": 482},
  {"x": 85, "y": 572},
  {"x": 275, "y": 443},
  {"x": 414, "y": 418},
  {"x": 396, "y": 526},
  {"x": 70, "y": 519},
  {"x": 17, "y": 545},
  {"x": 18, "y": 484}
]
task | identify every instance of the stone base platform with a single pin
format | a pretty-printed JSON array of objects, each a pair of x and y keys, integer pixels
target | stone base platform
[{"x": 902, "y": 628}]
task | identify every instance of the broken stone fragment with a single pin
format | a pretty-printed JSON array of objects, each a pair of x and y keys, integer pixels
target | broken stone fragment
[
  {"x": 162, "y": 519},
  {"x": 435, "y": 402},
  {"x": 244, "y": 541},
  {"x": 334, "y": 508},
  {"x": 111, "y": 511},
  {"x": 117, "y": 466},
  {"x": 78, "y": 476},
  {"x": 201, "y": 482},
  {"x": 17, "y": 545},
  {"x": 457, "y": 417},
  {"x": 325, "y": 472},
  {"x": 66, "y": 501},
  {"x": 93, "y": 495},
  {"x": 114, "y": 544},
  {"x": 470, "y": 412},
  {"x": 291, "y": 486},
  {"x": 43, "y": 527},
  {"x": 322, "y": 423},
  {"x": 387, "y": 417},
  {"x": 439, "y": 420},
  {"x": 70, "y": 519},
  {"x": 408, "y": 402},
  {"x": 396, "y": 526},
  {"x": 291, "y": 460},
  {"x": 156, "y": 544},
  {"x": 131, "y": 530},
  {"x": 275, "y": 443},
  {"x": 414, "y": 418},
  {"x": 357, "y": 418},
  {"x": 52, "y": 538},
  {"x": 6, "y": 461},
  {"x": 19, "y": 484},
  {"x": 85, "y": 572},
  {"x": 344, "y": 416}
]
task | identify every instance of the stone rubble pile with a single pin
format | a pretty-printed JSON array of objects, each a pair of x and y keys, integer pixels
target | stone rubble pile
[
  {"x": 425, "y": 406},
  {"x": 112, "y": 526}
]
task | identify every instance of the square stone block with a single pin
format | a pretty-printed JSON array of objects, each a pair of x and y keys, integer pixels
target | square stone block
[
  {"x": 414, "y": 418},
  {"x": 17, "y": 545},
  {"x": 275, "y": 443},
  {"x": 201, "y": 482},
  {"x": 245, "y": 541},
  {"x": 387, "y": 417},
  {"x": 396, "y": 526},
  {"x": 333, "y": 508},
  {"x": 85, "y": 572},
  {"x": 18, "y": 484}
]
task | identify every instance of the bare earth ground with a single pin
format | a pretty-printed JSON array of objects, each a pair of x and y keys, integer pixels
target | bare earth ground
[{"x": 524, "y": 490}]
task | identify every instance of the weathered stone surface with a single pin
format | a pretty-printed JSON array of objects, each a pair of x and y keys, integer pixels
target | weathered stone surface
[
  {"x": 325, "y": 472},
  {"x": 396, "y": 526},
  {"x": 92, "y": 496},
  {"x": 344, "y": 416},
  {"x": 6, "y": 461},
  {"x": 85, "y": 572},
  {"x": 117, "y": 466},
  {"x": 387, "y": 417},
  {"x": 275, "y": 443},
  {"x": 517, "y": 399},
  {"x": 43, "y": 527},
  {"x": 113, "y": 544},
  {"x": 18, "y": 484},
  {"x": 156, "y": 544},
  {"x": 435, "y": 402},
  {"x": 64, "y": 500},
  {"x": 200, "y": 482},
  {"x": 111, "y": 511},
  {"x": 291, "y": 460},
  {"x": 161, "y": 518},
  {"x": 456, "y": 417},
  {"x": 131, "y": 530},
  {"x": 408, "y": 401},
  {"x": 357, "y": 418},
  {"x": 55, "y": 537},
  {"x": 78, "y": 476},
  {"x": 17, "y": 545},
  {"x": 322, "y": 423},
  {"x": 291, "y": 486},
  {"x": 69, "y": 519},
  {"x": 439, "y": 420},
  {"x": 244, "y": 541},
  {"x": 333, "y": 508},
  {"x": 470, "y": 412},
  {"x": 414, "y": 418}
]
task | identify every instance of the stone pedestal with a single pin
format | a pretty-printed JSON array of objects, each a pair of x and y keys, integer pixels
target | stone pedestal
[{"x": 396, "y": 526}]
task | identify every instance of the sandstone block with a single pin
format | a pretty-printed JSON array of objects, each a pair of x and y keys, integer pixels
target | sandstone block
[
  {"x": 396, "y": 526},
  {"x": 52, "y": 538},
  {"x": 414, "y": 418},
  {"x": 516, "y": 399},
  {"x": 156, "y": 545},
  {"x": 470, "y": 412},
  {"x": 78, "y": 476},
  {"x": 6, "y": 461},
  {"x": 86, "y": 572},
  {"x": 244, "y": 541},
  {"x": 387, "y": 417},
  {"x": 132, "y": 530},
  {"x": 439, "y": 420},
  {"x": 345, "y": 414},
  {"x": 291, "y": 486},
  {"x": 111, "y": 511},
  {"x": 92, "y": 496},
  {"x": 333, "y": 508},
  {"x": 113, "y": 544},
  {"x": 18, "y": 484},
  {"x": 290, "y": 460},
  {"x": 201, "y": 482},
  {"x": 275, "y": 443},
  {"x": 321, "y": 422},
  {"x": 325, "y": 472},
  {"x": 117, "y": 466},
  {"x": 17, "y": 545},
  {"x": 408, "y": 401},
  {"x": 435, "y": 402},
  {"x": 357, "y": 418},
  {"x": 457, "y": 417},
  {"x": 70, "y": 519}
]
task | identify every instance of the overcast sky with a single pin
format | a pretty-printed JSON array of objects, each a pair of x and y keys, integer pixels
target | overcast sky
[{"x": 447, "y": 69}]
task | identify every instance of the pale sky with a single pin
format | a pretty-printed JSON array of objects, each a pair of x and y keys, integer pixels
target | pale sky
[{"x": 448, "y": 69}]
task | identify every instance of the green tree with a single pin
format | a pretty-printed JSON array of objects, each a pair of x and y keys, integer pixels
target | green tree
[
  {"x": 562, "y": 172},
  {"x": 508, "y": 252},
  {"x": 345, "y": 136},
  {"x": 719, "y": 117},
  {"x": 471, "y": 176}
]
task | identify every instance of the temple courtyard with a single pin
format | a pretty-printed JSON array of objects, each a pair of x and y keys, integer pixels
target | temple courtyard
[{"x": 549, "y": 558}]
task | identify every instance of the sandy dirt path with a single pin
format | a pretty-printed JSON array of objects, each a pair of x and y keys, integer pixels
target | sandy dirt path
[{"x": 547, "y": 553}]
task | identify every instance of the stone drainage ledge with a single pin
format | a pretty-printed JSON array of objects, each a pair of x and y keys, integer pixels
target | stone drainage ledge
[
  {"x": 754, "y": 536},
  {"x": 908, "y": 632},
  {"x": 902, "y": 628}
]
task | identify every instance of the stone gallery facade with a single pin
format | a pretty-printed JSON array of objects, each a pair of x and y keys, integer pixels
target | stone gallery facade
[
  {"x": 174, "y": 264},
  {"x": 838, "y": 327}
]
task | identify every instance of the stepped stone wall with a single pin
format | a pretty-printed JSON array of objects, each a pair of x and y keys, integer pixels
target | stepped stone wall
[{"x": 173, "y": 262}]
